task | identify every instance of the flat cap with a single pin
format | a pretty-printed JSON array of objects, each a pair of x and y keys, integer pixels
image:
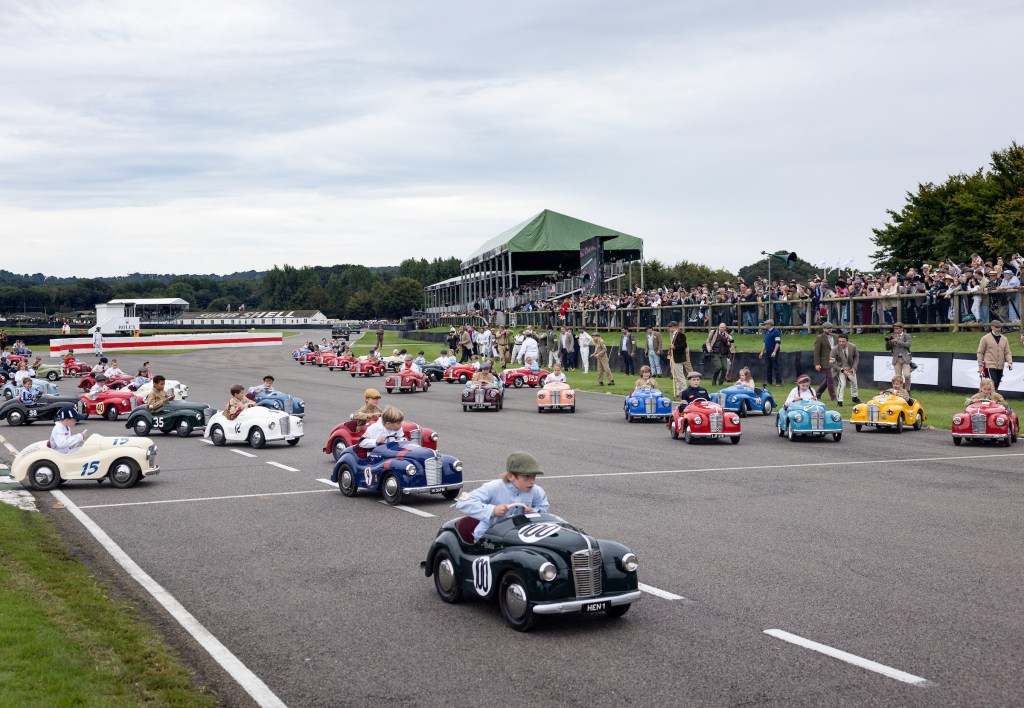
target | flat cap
[{"x": 523, "y": 463}]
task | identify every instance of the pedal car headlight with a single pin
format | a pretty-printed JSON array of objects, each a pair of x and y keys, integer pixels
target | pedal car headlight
[
  {"x": 634, "y": 402},
  {"x": 568, "y": 395},
  {"x": 629, "y": 563},
  {"x": 836, "y": 417},
  {"x": 433, "y": 437},
  {"x": 547, "y": 571},
  {"x": 856, "y": 409},
  {"x": 666, "y": 402},
  {"x": 457, "y": 466},
  {"x": 889, "y": 411},
  {"x": 410, "y": 468},
  {"x": 540, "y": 395},
  {"x": 798, "y": 417},
  {"x": 697, "y": 420},
  {"x": 957, "y": 420},
  {"x": 1000, "y": 421},
  {"x": 735, "y": 420},
  {"x": 733, "y": 399},
  {"x": 271, "y": 425}
]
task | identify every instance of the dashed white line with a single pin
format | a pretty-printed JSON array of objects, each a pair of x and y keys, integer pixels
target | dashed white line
[
  {"x": 328, "y": 482},
  {"x": 657, "y": 592},
  {"x": 249, "y": 681},
  {"x": 411, "y": 510},
  {"x": 848, "y": 658},
  {"x": 200, "y": 499},
  {"x": 243, "y": 453},
  {"x": 286, "y": 468},
  {"x": 206, "y": 440}
]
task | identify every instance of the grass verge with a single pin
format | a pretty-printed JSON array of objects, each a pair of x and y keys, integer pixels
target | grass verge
[{"x": 66, "y": 642}]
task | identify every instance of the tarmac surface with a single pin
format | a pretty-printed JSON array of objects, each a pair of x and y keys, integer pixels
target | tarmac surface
[{"x": 897, "y": 549}]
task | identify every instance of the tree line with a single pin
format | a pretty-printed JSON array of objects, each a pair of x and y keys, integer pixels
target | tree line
[
  {"x": 345, "y": 291},
  {"x": 981, "y": 212}
]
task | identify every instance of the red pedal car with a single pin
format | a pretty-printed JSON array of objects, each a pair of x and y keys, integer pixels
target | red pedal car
[
  {"x": 986, "y": 420},
  {"x": 350, "y": 432},
  {"x": 76, "y": 368},
  {"x": 460, "y": 373},
  {"x": 111, "y": 404},
  {"x": 517, "y": 377},
  {"x": 406, "y": 380},
  {"x": 308, "y": 358},
  {"x": 114, "y": 382},
  {"x": 365, "y": 367},
  {"x": 704, "y": 419}
]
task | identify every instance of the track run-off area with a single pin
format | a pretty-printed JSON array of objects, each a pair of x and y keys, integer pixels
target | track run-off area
[{"x": 881, "y": 569}]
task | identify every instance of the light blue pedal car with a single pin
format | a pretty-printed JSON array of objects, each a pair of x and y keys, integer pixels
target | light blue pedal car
[
  {"x": 647, "y": 404},
  {"x": 809, "y": 418},
  {"x": 42, "y": 386}
]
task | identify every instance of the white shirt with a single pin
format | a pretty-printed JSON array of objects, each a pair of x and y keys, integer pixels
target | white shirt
[
  {"x": 20, "y": 376},
  {"x": 97, "y": 337},
  {"x": 559, "y": 377},
  {"x": 377, "y": 430},
  {"x": 796, "y": 395},
  {"x": 586, "y": 340},
  {"x": 529, "y": 349},
  {"x": 114, "y": 371},
  {"x": 62, "y": 440},
  {"x": 96, "y": 390}
]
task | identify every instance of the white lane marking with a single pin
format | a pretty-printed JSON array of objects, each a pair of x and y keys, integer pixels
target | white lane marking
[
  {"x": 198, "y": 499},
  {"x": 286, "y": 468},
  {"x": 403, "y": 507},
  {"x": 657, "y": 592},
  {"x": 10, "y": 448},
  {"x": 328, "y": 482},
  {"x": 243, "y": 453},
  {"x": 249, "y": 681},
  {"x": 832, "y": 463},
  {"x": 206, "y": 440},
  {"x": 849, "y": 658}
]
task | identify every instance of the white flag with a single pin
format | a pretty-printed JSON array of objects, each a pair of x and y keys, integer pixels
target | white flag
[
  {"x": 821, "y": 264},
  {"x": 847, "y": 263}
]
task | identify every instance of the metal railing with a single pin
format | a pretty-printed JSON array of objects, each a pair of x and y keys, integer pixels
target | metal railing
[{"x": 918, "y": 312}]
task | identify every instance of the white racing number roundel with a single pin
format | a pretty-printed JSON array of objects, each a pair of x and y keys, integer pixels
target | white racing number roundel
[
  {"x": 482, "y": 575},
  {"x": 531, "y": 533}
]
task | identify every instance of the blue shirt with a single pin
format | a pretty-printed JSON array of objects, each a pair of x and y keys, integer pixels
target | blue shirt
[
  {"x": 771, "y": 338},
  {"x": 28, "y": 396},
  {"x": 482, "y": 500}
]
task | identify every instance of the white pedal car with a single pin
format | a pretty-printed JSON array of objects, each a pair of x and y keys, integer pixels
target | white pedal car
[
  {"x": 124, "y": 461},
  {"x": 256, "y": 426},
  {"x": 179, "y": 389}
]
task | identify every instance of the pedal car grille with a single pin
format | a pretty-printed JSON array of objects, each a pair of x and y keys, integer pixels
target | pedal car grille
[
  {"x": 650, "y": 405},
  {"x": 872, "y": 413},
  {"x": 286, "y": 426},
  {"x": 978, "y": 422},
  {"x": 416, "y": 436},
  {"x": 817, "y": 420},
  {"x": 556, "y": 397},
  {"x": 479, "y": 395},
  {"x": 289, "y": 405},
  {"x": 432, "y": 468},
  {"x": 715, "y": 421},
  {"x": 586, "y": 573}
]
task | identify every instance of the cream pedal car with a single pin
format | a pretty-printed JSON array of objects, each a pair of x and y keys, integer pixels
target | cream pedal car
[
  {"x": 179, "y": 389},
  {"x": 123, "y": 461},
  {"x": 256, "y": 426}
]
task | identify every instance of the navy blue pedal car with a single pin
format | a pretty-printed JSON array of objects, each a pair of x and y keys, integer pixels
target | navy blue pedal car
[{"x": 396, "y": 469}]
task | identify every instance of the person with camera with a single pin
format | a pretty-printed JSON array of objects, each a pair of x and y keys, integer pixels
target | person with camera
[
  {"x": 994, "y": 353},
  {"x": 720, "y": 346},
  {"x": 899, "y": 344}
]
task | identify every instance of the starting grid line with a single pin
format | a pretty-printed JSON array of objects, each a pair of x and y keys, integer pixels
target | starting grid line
[{"x": 849, "y": 658}]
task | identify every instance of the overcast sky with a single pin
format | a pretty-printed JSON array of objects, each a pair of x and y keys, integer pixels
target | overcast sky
[{"x": 219, "y": 136}]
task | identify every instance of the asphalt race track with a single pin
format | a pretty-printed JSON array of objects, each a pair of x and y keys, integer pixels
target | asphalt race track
[{"x": 897, "y": 549}]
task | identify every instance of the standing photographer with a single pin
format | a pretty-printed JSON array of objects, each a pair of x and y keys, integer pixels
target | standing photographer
[{"x": 899, "y": 344}]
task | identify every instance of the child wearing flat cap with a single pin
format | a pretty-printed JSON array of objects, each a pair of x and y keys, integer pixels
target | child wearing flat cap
[{"x": 518, "y": 485}]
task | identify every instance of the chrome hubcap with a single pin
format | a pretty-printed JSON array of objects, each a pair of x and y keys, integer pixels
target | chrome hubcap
[
  {"x": 515, "y": 601},
  {"x": 346, "y": 479},
  {"x": 391, "y": 486},
  {"x": 446, "y": 575},
  {"x": 45, "y": 475},
  {"x": 140, "y": 427},
  {"x": 122, "y": 473}
]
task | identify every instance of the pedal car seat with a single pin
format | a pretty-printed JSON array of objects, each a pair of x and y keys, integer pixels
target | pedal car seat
[{"x": 465, "y": 526}]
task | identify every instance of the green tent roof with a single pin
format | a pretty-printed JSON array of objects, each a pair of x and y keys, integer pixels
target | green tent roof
[{"x": 549, "y": 237}]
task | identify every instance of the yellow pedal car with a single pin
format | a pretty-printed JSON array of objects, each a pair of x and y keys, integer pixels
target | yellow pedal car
[{"x": 888, "y": 411}]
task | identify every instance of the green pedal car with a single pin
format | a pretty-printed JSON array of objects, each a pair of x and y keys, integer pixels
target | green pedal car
[{"x": 180, "y": 417}]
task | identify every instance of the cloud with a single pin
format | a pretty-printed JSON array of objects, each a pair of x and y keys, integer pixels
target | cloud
[{"x": 314, "y": 132}]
